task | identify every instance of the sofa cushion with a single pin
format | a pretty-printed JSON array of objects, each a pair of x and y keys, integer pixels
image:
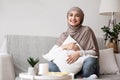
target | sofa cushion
[
  {"x": 107, "y": 62},
  {"x": 118, "y": 60},
  {"x": 109, "y": 77}
]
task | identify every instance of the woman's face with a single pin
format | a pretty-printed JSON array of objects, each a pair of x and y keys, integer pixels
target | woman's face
[{"x": 74, "y": 18}]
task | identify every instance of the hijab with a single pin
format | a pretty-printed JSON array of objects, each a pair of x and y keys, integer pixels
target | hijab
[{"x": 82, "y": 34}]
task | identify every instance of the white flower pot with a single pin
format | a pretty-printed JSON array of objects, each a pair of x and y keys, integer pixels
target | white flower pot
[{"x": 31, "y": 71}]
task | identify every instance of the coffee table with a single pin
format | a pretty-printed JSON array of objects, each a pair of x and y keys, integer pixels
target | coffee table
[{"x": 24, "y": 76}]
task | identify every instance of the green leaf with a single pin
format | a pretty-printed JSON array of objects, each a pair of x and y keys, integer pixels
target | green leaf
[
  {"x": 111, "y": 33},
  {"x": 32, "y": 61}
]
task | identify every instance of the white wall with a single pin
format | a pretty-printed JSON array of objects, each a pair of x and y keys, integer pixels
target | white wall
[{"x": 45, "y": 17}]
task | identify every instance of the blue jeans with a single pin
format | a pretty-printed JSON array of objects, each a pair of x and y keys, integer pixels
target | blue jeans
[
  {"x": 53, "y": 67},
  {"x": 90, "y": 66}
]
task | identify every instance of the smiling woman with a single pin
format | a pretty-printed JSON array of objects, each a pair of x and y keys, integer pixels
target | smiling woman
[{"x": 85, "y": 38}]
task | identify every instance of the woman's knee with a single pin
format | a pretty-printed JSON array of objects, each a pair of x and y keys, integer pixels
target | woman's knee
[
  {"x": 90, "y": 61},
  {"x": 53, "y": 67},
  {"x": 90, "y": 66}
]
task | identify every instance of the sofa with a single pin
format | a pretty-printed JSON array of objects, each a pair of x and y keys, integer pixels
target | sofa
[{"x": 17, "y": 48}]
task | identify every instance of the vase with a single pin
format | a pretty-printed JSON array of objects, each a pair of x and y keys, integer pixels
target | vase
[
  {"x": 113, "y": 44},
  {"x": 31, "y": 71}
]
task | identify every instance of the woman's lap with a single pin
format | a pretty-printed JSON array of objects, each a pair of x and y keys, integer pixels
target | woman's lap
[{"x": 90, "y": 66}]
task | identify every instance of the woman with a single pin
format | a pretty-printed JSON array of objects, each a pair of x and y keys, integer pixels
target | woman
[{"x": 85, "y": 38}]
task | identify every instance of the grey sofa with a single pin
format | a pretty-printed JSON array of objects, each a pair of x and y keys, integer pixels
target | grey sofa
[{"x": 20, "y": 47}]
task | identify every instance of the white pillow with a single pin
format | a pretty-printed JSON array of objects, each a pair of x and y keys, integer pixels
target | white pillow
[
  {"x": 75, "y": 67},
  {"x": 59, "y": 57},
  {"x": 107, "y": 62},
  {"x": 61, "y": 62}
]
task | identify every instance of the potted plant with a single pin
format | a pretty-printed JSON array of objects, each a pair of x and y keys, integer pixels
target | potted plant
[
  {"x": 111, "y": 35},
  {"x": 32, "y": 62}
]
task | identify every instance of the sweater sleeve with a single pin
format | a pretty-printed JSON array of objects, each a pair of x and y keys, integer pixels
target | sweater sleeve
[{"x": 87, "y": 52}]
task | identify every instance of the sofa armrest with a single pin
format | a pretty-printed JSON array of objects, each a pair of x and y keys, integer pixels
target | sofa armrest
[
  {"x": 6, "y": 67},
  {"x": 118, "y": 60}
]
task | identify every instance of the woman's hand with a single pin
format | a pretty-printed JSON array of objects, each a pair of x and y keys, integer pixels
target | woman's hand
[
  {"x": 71, "y": 46},
  {"x": 73, "y": 57}
]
